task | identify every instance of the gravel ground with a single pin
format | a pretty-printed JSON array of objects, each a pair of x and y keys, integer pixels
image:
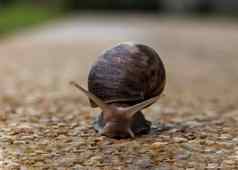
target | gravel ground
[{"x": 46, "y": 124}]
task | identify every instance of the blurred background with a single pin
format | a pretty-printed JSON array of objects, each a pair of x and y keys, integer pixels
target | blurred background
[{"x": 17, "y": 14}]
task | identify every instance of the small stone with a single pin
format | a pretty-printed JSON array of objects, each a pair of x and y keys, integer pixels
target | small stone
[
  {"x": 164, "y": 166},
  {"x": 203, "y": 135},
  {"x": 192, "y": 147},
  {"x": 183, "y": 155},
  {"x": 210, "y": 150},
  {"x": 209, "y": 142},
  {"x": 96, "y": 158},
  {"x": 24, "y": 129},
  {"x": 165, "y": 137},
  {"x": 234, "y": 157},
  {"x": 100, "y": 139},
  {"x": 78, "y": 167},
  {"x": 158, "y": 145},
  {"x": 28, "y": 137},
  {"x": 220, "y": 152},
  {"x": 12, "y": 165},
  {"x": 226, "y": 144},
  {"x": 192, "y": 124},
  {"x": 225, "y": 137},
  {"x": 235, "y": 140},
  {"x": 144, "y": 163},
  {"x": 211, "y": 166},
  {"x": 3, "y": 116},
  {"x": 229, "y": 162},
  {"x": 180, "y": 140}
]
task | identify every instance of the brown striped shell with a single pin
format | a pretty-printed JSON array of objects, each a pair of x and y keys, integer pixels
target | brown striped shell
[{"x": 127, "y": 73}]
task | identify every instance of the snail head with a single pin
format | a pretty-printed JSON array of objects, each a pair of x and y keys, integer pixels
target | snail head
[{"x": 117, "y": 119}]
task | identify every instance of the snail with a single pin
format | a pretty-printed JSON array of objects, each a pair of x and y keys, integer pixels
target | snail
[{"x": 124, "y": 80}]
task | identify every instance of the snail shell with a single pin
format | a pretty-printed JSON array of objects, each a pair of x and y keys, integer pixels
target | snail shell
[
  {"x": 124, "y": 80},
  {"x": 127, "y": 73}
]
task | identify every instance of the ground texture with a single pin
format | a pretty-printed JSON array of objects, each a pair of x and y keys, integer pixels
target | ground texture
[{"x": 46, "y": 124}]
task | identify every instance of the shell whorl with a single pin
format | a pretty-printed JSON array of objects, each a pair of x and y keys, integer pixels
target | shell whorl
[{"x": 128, "y": 73}]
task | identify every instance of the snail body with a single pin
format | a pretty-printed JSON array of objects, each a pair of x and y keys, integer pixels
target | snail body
[{"x": 124, "y": 80}]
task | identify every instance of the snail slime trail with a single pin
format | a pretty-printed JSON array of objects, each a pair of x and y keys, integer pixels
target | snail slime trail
[{"x": 124, "y": 80}]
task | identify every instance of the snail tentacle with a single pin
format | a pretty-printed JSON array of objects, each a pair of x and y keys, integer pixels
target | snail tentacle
[
  {"x": 97, "y": 100},
  {"x": 130, "y": 111}
]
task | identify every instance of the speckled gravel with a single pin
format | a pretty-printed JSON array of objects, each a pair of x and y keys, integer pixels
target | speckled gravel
[{"x": 46, "y": 124}]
